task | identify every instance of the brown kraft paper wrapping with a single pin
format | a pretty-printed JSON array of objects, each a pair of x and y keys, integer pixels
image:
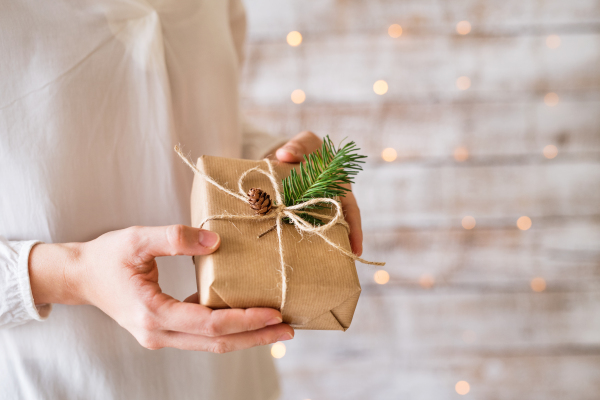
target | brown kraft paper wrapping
[{"x": 323, "y": 286}]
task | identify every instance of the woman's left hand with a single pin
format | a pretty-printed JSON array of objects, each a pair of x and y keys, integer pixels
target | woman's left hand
[{"x": 293, "y": 152}]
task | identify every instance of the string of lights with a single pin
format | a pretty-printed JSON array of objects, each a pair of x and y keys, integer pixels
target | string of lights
[{"x": 460, "y": 154}]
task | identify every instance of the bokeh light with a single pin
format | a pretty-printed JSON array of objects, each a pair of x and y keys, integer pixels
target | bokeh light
[
  {"x": 550, "y": 151},
  {"x": 461, "y": 154},
  {"x": 524, "y": 223},
  {"x": 298, "y": 96},
  {"x": 389, "y": 154},
  {"x": 294, "y": 38},
  {"x": 553, "y": 41},
  {"x": 551, "y": 99},
  {"x": 538, "y": 284},
  {"x": 395, "y": 31},
  {"x": 463, "y": 27},
  {"x": 468, "y": 222},
  {"x": 426, "y": 281},
  {"x": 462, "y": 387},
  {"x": 278, "y": 350},
  {"x": 380, "y": 87},
  {"x": 381, "y": 277},
  {"x": 463, "y": 83}
]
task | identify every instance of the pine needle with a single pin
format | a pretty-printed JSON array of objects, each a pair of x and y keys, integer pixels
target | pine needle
[{"x": 322, "y": 175}]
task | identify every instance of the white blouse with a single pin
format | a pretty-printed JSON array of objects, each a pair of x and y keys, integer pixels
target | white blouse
[{"x": 94, "y": 94}]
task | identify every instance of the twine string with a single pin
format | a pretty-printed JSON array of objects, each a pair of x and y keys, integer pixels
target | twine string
[{"x": 280, "y": 211}]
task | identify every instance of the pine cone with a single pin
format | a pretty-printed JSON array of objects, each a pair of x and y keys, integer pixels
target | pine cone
[{"x": 259, "y": 201}]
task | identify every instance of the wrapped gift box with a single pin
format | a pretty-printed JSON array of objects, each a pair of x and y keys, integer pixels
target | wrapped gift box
[{"x": 322, "y": 284}]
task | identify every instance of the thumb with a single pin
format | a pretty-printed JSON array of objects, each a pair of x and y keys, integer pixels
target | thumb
[
  {"x": 303, "y": 143},
  {"x": 175, "y": 240}
]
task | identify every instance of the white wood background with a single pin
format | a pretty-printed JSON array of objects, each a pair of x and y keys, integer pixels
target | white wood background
[{"x": 480, "y": 322}]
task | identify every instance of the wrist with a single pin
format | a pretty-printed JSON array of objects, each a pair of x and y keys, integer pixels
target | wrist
[{"x": 54, "y": 273}]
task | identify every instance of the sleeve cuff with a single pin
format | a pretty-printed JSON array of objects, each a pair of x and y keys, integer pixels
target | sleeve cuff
[{"x": 37, "y": 312}]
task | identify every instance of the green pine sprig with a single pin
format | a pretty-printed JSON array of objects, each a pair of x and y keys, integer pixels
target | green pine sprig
[{"x": 322, "y": 175}]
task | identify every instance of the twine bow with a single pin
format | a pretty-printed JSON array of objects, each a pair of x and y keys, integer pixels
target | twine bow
[{"x": 280, "y": 211}]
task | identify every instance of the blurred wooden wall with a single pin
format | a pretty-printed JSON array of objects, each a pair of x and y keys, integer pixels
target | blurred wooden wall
[{"x": 480, "y": 322}]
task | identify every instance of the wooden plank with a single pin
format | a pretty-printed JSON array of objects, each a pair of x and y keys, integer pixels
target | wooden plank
[
  {"x": 404, "y": 338},
  {"x": 420, "y": 195},
  {"x": 417, "y": 378},
  {"x": 419, "y": 131},
  {"x": 343, "y": 69},
  {"x": 564, "y": 252},
  {"x": 272, "y": 20},
  {"x": 434, "y": 322}
]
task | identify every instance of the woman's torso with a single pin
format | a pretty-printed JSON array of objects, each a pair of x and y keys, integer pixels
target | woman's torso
[{"x": 93, "y": 97}]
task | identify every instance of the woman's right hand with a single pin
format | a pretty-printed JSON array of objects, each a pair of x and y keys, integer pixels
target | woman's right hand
[{"x": 117, "y": 273}]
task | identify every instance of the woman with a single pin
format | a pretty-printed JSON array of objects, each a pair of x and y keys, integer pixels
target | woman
[{"x": 93, "y": 96}]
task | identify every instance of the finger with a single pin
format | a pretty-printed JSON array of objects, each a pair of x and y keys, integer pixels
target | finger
[
  {"x": 196, "y": 319},
  {"x": 195, "y": 298},
  {"x": 303, "y": 143},
  {"x": 171, "y": 240},
  {"x": 225, "y": 344},
  {"x": 352, "y": 215}
]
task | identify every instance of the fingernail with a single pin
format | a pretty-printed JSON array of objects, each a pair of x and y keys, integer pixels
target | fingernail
[
  {"x": 293, "y": 150},
  {"x": 285, "y": 336},
  {"x": 273, "y": 321},
  {"x": 209, "y": 239}
]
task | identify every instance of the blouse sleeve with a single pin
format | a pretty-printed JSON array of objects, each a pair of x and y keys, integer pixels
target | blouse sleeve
[{"x": 16, "y": 300}]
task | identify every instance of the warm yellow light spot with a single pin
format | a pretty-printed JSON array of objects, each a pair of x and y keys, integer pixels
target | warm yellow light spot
[
  {"x": 381, "y": 277},
  {"x": 463, "y": 83},
  {"x": 463, "y": 27},
  {"x": 462, "y": 387},
  {"x": 380, "y": 87},
  {"x": 426, "y": 281},
  {"x": 538, "y": 284},
  {"x": 550, "y": 151},
  {"x": 461, "y": 154},
  {"x": 389, "y": 154},
  {"x": 551, "y": 99},
  {"x": 298, "y": 96},
  {"x": 524, "y": 223},
  {"x": 468, "y": 222},
  {"x": 278, "y": 350},
  {"x": 395, "y": 31},
  {"x": 294, "y": 38},
  {"x": 469, "y": 336},
  {"x": 553, "y": 41}
]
